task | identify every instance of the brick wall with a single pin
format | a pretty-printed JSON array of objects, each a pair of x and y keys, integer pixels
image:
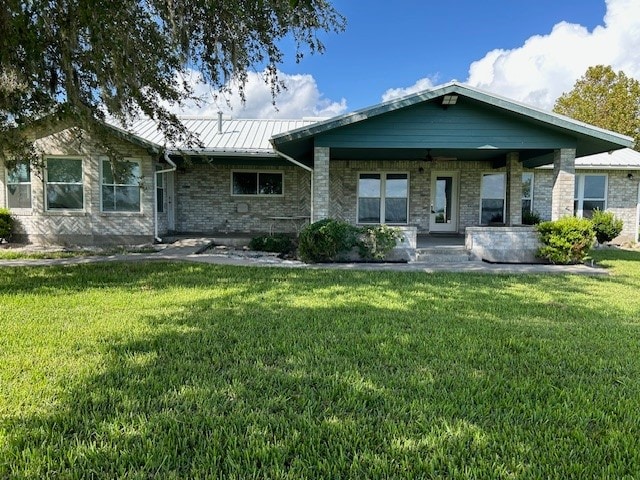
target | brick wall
[
  {"x": 622, "y": 195},
  {"x": 344, "y": 186},
  {"x": 204, "y": 202},
  {"x": 91, "y": 225}
]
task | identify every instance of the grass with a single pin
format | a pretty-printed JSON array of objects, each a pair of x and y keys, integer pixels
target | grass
[
  {"x": 18, "y": 254},
  {"x": 141, "y": 370}
]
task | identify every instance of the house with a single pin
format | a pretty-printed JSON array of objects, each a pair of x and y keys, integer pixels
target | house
[{"x": 453, "y": 159}]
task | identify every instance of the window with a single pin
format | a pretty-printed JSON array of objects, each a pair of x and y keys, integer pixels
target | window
[
  {"x": 64, "y": 189},
  {"x": 120, "y": 186},
  {"x": 383, "y": 198},
  {"x": 19, "y": 186},
  {"x": 159, "y": 190},
  {"x": 492, "y": 198},
  {"x": 527, "y": 193},
  {"x": 590, "y": 193},
  {"x": 256, "y": 183}
]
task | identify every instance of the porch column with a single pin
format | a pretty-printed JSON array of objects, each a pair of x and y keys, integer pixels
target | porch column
[
  {"x": 562, "y": 195},
  {"x": 514, "y": 189},
  {"x": 320, "y": 190}
]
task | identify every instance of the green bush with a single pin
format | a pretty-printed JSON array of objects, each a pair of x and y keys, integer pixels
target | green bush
[
  {"x": 606, "y": 225},
  {"x": 566, "y": 240},
  {"x": 531, "y": 218},
  {"x": 376, "y": 241},
  {"x": 6, "y": 224},
  {"x": 278, "y": 243},
  {"x": 325, "y": 240}
]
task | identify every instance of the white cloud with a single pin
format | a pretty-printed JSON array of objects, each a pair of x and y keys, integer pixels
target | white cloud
[
  {"x": 544, "y": 67},
  {"x": 301, "y": 98},
  {"x": 422, "y": 84}
]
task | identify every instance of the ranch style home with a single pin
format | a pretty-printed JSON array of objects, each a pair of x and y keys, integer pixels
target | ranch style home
[{"x": 450, "y": 160}]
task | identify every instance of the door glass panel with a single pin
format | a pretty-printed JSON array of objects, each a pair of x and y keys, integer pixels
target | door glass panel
[{"x": 442, "y": 208}]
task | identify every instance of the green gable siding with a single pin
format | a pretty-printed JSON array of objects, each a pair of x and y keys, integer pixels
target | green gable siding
[{"x": 466, "y": 125}]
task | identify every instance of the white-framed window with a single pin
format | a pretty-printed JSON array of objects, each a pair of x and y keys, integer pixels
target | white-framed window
[
  {"x": 383, "y": 198},
  {"x": 590, "y": 193},
  {"x": 527, "y": 193},
  {"x": 492, "y": 198},
  {"x": 19, "y": 185},
  {"x": 120, "y": 184},
  {"x": 257, "y": 183},
  {"x": 160, "y": 190},
  {"x": 64, "y": 188}
]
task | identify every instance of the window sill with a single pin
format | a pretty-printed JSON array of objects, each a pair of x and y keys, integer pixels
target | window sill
[
  {"x": 21, "y": 212},
  {"x": 122, "y": 214}
]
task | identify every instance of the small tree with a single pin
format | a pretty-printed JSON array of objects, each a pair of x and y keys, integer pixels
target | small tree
[{"x": 606, "y": 225}]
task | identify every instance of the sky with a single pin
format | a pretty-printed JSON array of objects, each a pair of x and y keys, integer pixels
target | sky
[{"x": 527, "y": 50}]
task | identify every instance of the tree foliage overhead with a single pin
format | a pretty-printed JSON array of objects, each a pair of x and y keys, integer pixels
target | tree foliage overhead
[
  {"x": 605, "y": 99},
  {"x": 89, "y": 59}
]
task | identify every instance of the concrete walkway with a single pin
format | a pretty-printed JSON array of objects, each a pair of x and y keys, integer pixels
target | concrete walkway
[{"x": 196, "y": 250}]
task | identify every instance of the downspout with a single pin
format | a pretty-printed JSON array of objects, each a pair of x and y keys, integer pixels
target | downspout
[
  {"x": 155, "y": 193},
  {"x": 301, "y": 165}
]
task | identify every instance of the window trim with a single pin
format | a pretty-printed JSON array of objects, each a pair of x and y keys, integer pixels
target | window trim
[
  {"x": 383, "y": 180},
  {"x": 257, "y": 173},
  {"x": 530, "y": 198},
  {"x": 47, "y": 182},
  {"x": 579, "y": 196},
  {"x": 8, "y": 183},
  {"x": 114, "y": 185},
  {"x": 504, "y": 197}
]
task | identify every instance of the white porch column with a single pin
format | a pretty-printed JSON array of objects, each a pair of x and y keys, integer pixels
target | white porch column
[
  {"x": 514, "y": 189},
  {"x": 320, "y": 189},
  {"x": 564, "y": 179}
]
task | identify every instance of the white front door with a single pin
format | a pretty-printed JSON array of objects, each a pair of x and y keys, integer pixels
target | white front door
[{"x": 444, "y": 202}]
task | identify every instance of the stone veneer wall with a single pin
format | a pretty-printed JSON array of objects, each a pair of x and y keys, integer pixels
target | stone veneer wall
[
  {"x": 204, "y": 202},
  {"x": 622, "y": 195},
  {"x": 344, "y": 187},
  {"x": 89, "y": 226},
  {"x": 503, "y": 244}
]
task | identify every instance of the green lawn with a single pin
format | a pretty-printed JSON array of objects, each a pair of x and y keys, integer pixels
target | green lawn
[{"x": 152, "y": 370}]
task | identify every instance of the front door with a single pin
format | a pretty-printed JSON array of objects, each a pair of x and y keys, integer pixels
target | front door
[{"x": 444, "y": 202}]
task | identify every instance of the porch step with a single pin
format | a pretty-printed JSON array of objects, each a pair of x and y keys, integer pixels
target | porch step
[{"x": 448, "y": 254}]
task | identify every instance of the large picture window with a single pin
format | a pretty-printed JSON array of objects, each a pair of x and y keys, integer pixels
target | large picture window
[
  {"x": 590, "y": 193},
  {"x": 383, "y": 198},
  {"x": 527, "y": 193},
  {"x": 121, "y": 186},
  {"x": 64, "y": 188},
  {"x": 19, "y": 186},
  {"x": 492, "y": 198},
  {"x": 256, "y": 183}
]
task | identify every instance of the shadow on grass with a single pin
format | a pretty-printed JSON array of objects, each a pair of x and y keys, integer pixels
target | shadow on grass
[{"x": 268, "y": 373}]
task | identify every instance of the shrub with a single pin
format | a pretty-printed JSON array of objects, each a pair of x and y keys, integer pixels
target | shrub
[
  {"x": 606, "y": 225},
  {"x": 278, "y": 243},
  {"x": 531, "y": 218},
  {"x": 6, "y": 224},
  {"x": 566, "y": 240},
  {"x": 325, "y": 240},
  {"x": 376, "y": 241}
]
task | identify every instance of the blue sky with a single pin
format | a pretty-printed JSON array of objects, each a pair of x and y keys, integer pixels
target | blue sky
[
  {"x": 392, "y": 44},
  {"x": 530, "y": 51}
]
